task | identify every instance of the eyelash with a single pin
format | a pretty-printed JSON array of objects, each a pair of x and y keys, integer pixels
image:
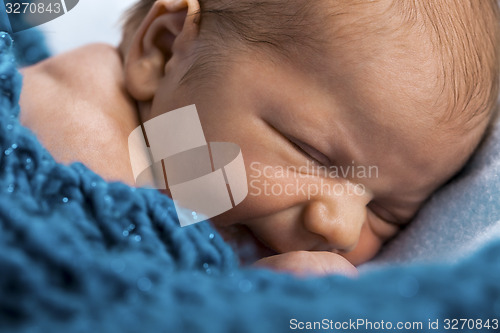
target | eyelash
[
  {"x": 298, "y": 147},
  {"x": 391, "y": 220},
  {"x": 302, "y": 151},
  {"x": 307, "y": 154}
]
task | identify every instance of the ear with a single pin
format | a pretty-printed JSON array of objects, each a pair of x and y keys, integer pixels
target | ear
[{"x": 170, "y": 28}]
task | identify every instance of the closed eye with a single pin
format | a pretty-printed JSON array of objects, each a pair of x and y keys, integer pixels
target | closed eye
[
  {"x": 384, "y": 214},
  {"x": 309, "y": 151},
  {"x": 303, "y": 148}
]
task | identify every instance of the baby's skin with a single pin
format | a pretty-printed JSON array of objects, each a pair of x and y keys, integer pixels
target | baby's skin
[{"x": 381, "y": 111}]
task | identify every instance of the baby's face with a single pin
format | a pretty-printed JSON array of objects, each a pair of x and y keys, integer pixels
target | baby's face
[{"x": 372, "y": 110}]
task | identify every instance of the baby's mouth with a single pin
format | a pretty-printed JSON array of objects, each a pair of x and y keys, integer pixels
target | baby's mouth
[{"x": 247, "y": 246}]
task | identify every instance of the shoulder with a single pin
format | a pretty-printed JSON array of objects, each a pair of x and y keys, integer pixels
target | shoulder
[
  {"x": 73, "y": 104},
  {"x": 71, "y": 69}
]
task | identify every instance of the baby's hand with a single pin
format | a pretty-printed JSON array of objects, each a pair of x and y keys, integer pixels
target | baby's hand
[{"x": 305, "y": 263}]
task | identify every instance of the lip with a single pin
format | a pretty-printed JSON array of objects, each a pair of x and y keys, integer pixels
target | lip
[{"x": 265, "y": 250}]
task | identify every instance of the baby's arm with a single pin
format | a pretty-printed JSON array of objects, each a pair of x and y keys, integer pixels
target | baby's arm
[{"x": 304, "y": 263}]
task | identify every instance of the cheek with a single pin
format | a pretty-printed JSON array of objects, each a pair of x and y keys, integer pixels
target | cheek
[{"x": 267, "y": 195}]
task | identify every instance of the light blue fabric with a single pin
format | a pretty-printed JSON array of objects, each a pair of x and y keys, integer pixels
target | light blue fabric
[{"x": 80, "y": 255}]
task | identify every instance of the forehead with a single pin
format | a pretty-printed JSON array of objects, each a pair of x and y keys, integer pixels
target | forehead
[
  {"x": 446, "y": 52},
  {"x": 388, "y": 85},
  {"x": 381, "y": 89}
]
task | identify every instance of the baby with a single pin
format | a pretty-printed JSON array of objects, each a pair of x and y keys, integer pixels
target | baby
[{"x": 408, "y": 87}]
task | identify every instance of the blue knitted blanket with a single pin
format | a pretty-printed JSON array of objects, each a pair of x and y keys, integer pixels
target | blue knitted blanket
[{"x": 78, "y": 254}]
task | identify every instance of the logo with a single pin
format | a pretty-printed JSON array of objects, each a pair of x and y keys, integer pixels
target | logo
[
  {"x": 204, "y": 179},
  {"x": 28, "y": 14}
]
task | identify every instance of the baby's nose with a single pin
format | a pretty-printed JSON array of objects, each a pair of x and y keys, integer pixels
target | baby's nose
[{"x": 337, "y": 218}]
